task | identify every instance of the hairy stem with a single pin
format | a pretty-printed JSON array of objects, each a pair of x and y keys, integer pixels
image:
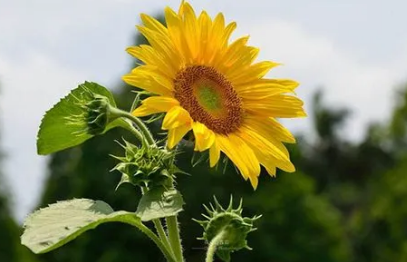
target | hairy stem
[
  {"x": 137, "y": 134},
  {"x": 161, "y": 234},
  {"x": 160, "y": 230},
  {"x": 140, "y": 125},
  {"x": 213, "y": 245},
  {"x": 174, "y": 237},
  {"x": 166, "y": 252}
]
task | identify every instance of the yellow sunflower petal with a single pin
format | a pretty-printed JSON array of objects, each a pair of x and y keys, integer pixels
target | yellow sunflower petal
[
  {"x": 278, "y": 106},
  {"x": 149, "y": 56},
  {"x": 214, "y": 154},
  {"x": 205, "y": 24},
  {"x": 241, "y": 62},
  {"x": 153, "y": 24},
  {"x": 218, "y": 25},
  {"x": 162, "y": 45},
  {"x": 271, "y": 170},
  {"x": 267, "y": 83},
  {"x": 227, "y": 33},
  {"x": 254, "y": 181},
  {"x": 264, "y": 88},
  {"x": 269, "y": 128},
  {"x": 254, "y": 72},
  {"x": 154, "y": 105},
  {"x": 175, "y": 30},
  {"x": 181, "y": 8},
  {"x": 175, "y": 117},
  {"x": 241, "y": 155},
  {"x": 215, "y": 38},
  {"x": 191, "y": 31},
  {"x": 146, "y": 78},
  {"x": 234, "y": 56},
  {"x": 270, "y": 153},
  {"x": 176, "y": 134},
  {"x": 204, "y": 137},
  {"x": 269, "y": 163}
]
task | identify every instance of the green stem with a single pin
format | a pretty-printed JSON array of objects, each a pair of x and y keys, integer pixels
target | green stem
[
  {"x": 154, "y": 238},
  {"x": 160, "y": 229},
  {"x": 143, "y": 128},
  {"x": 162, "y": 235},
  {"x": 215, "y": 242},
  {"x": 174, "y": 237},
  {"x": 137, "y": 134}
]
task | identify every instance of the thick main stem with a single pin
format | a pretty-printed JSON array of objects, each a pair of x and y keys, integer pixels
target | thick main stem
[
  {"x": 162, "y": 235},
  {"x": 155, "y": 239},
  {"x": 174, "y": 237},
  {"x": 160, "y": 229},
  {"x": 213, "y": 245}
]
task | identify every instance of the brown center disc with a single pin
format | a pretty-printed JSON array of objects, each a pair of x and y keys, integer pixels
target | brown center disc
[{"x": 209, "y": 98}]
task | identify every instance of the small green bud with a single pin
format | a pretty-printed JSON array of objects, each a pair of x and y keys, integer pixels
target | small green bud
[
  {"x": 93, "y": 112},
  {"x": 228, "y": 223},
  {"x": 98, "y": 114},
  {"x": 146, "y": 166}
]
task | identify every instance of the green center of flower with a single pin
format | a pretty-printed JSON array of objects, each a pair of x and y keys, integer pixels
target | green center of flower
[{"x": 209, "y": 98}]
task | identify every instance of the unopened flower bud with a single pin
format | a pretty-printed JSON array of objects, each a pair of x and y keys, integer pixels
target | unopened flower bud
[
  {"x": 146, "y": 166},
  {"x": 228, "y": 227},
  {"x": 98, "y": 114}
]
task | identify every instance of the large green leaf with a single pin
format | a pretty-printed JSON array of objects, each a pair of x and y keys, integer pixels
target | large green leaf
[
  {"x": 64, "y": 125},
  {"x": 54, "y": 226},
  {"x": 158, "y": 203}
]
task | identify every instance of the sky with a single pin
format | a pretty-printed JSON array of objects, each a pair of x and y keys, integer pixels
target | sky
[{"x": 356, "y": 51}]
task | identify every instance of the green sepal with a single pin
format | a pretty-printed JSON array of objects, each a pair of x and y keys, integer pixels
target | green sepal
[
  {"x": 199, "y": 157},
  {"x": 223, "y": 254},
  {"x": 125, "y": 179},
  {"x": 51, "y": 227},
  {"x": 158, "y": 203},
  {"x": 68, "y": 123},
  {"x": 146, "y": 166}
]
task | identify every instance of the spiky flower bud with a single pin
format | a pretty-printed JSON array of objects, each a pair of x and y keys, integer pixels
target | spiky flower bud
[
  {"x": 227, "y": 226},
  {"x": 92, "y": 109},
  {"x": 98, "y": 114},
  {"x": 146, "y": 166}
]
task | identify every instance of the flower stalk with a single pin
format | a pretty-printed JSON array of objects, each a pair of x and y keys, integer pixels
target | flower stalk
[
  {"x": 149, "y": 139},
  {"x": 162, "y": 235},
  {"x": 213, "y": 245},
  {"x": 174, "y": 237},
  {"x": 163, "y": 248}
]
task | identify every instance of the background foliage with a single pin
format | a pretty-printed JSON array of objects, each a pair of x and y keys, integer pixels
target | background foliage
[{"x": 346, "y": 202}]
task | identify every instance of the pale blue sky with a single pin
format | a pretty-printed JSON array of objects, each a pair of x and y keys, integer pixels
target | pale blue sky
[{"x": 357, "y": 50}]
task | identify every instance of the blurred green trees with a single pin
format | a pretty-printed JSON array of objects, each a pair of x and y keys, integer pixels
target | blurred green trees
[
  {"x": 9, "y": 230},
  {"x": 346, "y": 202}
]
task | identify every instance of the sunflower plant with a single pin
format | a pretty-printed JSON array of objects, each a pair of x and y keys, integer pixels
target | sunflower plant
[{"x": 202, "y": 87}]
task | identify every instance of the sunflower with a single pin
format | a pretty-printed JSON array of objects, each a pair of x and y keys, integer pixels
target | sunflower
[{"x": 216, "y": 89}]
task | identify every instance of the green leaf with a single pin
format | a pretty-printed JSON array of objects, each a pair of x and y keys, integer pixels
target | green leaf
[
  {"x": 64, "y": 125},
  {"x": 56, "y": 225},
  {"x": 158, "y": 203}
]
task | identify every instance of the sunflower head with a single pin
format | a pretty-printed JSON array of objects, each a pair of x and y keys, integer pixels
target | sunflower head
[{"x": 215, "y": 88}]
